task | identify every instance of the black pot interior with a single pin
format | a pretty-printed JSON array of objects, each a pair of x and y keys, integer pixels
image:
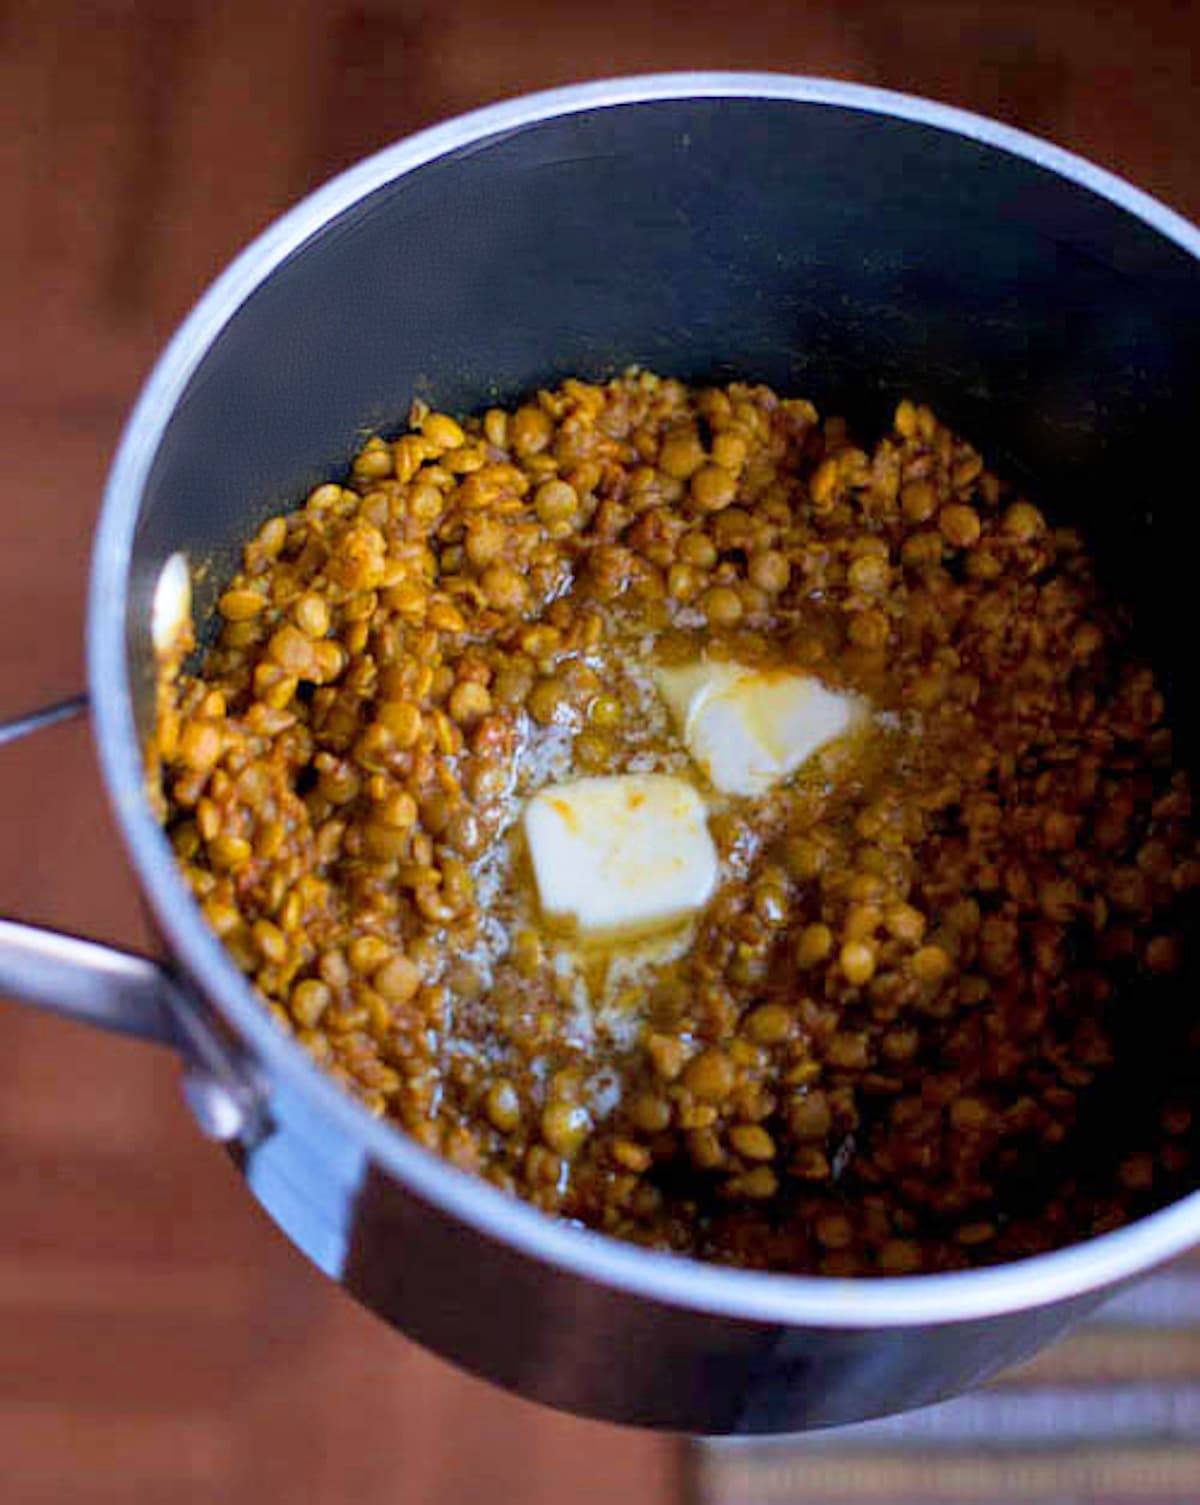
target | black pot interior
[{"x": 831, "y": 252}]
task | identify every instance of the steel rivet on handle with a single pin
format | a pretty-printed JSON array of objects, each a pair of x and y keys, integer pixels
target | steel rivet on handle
[{"x": 217, "y": 1111}]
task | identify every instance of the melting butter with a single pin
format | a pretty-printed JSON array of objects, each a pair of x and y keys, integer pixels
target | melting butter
[
  {"x": 622, "y": 857},
  {"x": 747, "y": 729}
]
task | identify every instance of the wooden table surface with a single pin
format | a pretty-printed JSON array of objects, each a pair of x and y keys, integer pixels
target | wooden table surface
[{"x": 159, "y": 1342}]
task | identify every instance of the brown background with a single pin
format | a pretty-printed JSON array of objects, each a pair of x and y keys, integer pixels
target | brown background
[{"x": 158, "y": 1340}]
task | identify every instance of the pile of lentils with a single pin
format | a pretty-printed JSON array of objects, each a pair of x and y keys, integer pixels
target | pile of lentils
[{"x": 894, "y": 1041}]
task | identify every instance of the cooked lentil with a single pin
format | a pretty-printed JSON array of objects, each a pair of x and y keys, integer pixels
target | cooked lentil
[{"x": 868, "y": 1049}]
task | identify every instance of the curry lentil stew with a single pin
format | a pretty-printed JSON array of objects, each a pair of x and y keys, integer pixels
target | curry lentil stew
[{"x": 876, "y": 1039}]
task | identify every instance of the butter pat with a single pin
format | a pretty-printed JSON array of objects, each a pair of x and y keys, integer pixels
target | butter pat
[
  {"x": 749, "y": 728},
  {"x": 620, "y": 857}
]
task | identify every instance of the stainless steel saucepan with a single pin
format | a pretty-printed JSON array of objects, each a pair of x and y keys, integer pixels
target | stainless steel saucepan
[{"x": 835, "y": 241}]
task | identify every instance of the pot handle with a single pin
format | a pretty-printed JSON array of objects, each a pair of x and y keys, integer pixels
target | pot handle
[
  {"x": 130, "y": 995},
  {"x": 96, "y": 984},
  {"x": 21, "y": 726}
]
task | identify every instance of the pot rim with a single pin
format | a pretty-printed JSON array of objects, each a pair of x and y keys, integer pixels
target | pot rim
[{"x": 793, "y": 1300}]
